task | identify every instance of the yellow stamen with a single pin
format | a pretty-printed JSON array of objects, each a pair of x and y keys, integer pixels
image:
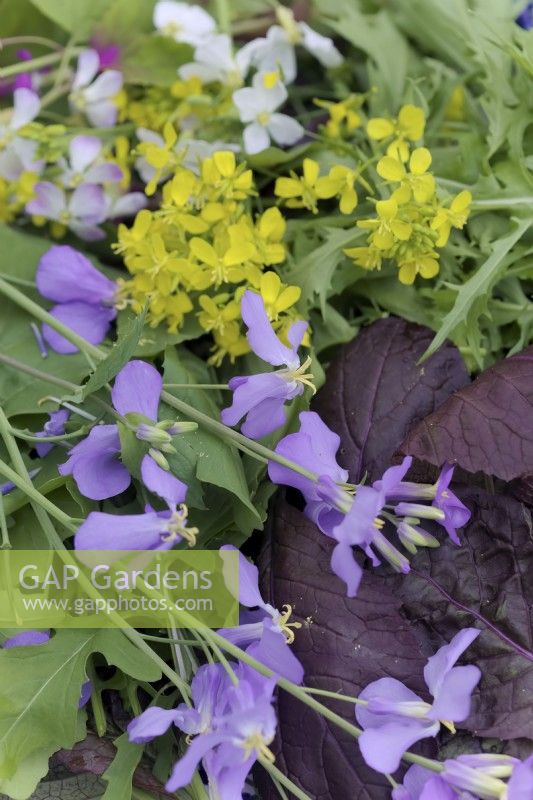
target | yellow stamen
[
  {"x": 448, "y": 724},
  {"x": 176, "y": 527},
  {"x": 286, "y": 626}
]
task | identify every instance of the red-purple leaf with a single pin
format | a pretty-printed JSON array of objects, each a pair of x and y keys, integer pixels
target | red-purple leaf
[
  {"x": 375, "y": 391},
  {"x": 486, "y": 426}
]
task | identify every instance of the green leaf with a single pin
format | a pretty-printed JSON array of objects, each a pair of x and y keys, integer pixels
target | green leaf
[
  {"x": 217, "y": 462},
  {"x": 41, "y": 687},
  {"x": 74, "y": 16},
  {"x": 472, "y": 295},
  {"x": 120, "y": 354},
  {"x": 29, "y": 772},
  {"x": 154, "y": 340},
  {"x": 154, "y": 60},
  {"x": 119, "y": 775}
]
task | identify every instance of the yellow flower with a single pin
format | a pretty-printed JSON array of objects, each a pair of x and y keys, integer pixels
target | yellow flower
[
  {"x": 217, "y": 312},
  {"x": 223, "y": 178},
  {"x": 367, "y": 257},
  {"x": 161, "y": 157},
  {"x": 171, "y": 309},
  {"x": 343, "y": 115},
  {"x": 220, "y": 264},
  {"x": 304, "y": 191},
  {"x": 425, "y": 265},
  {"x": 131, "y": 237},
  {"x": 265, "y": 236},
  {"x": 417, "y": 180},
  {"x": 229, "y": 342},
  {"x": 455, "y": 109},
  {"x": 344, "y": 179},
  {"x": 453, "y": 217},
  {"x": 277, "y": 296},
  {"x": 388, "y": 228},
  {"x": 407, "y": 127}
]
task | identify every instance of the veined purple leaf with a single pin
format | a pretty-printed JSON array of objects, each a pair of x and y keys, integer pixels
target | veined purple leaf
[
  {"x": 486, "y": 426},
  {"x": 376, "y": 392}
]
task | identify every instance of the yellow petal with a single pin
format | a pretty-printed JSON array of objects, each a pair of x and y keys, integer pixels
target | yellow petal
[
  {"x": 420, "y": 161},
  {"x": 424, "y": 188},
  {"x": 348, "y": 200},
  {"x": 203, "y": 252},
  {"x": 412, "y": 122},
  {"x": 428, "y": 267},
  {"x": 288, "y": 297},
  {"x": 225, "y": 162},
  {"x": 311, "y": 171},
  {"x": 402, "y": 230},
  {"x": 387, "y": 209},
  {"x": 407, "y": 273},
  {"x": 462, "y": 201},
  {"x": 379, "y": 128},
  {"x": 288, "y": 187},
  {"x": 390, "y": 169},
  {"x": 326, "y": 188},
  {"x": 270, "y": 286}
]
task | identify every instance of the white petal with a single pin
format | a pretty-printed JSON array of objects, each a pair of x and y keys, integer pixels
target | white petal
[
  {"x": 216, "y": 52},
  {"x": 108, "y": 84},
  {"x": 205, "y": 72},
  {"x": 256, "y": 138},
  {"x": 277, "y": 53},
  {"x": 26, "y": 107},
  {"x": 321, "y": 47},
  {"x": 250, "y": 103},
  {"x": 88, "y": 65},
  {"x": 270, "y": 98},
  {"x": 284, "y": 129},
  {"x": 127, "y": 205},
  {"x": 102, "y": 114},
  {"x": 185, "y": 23},
  {"x": 146, "y": 135}
]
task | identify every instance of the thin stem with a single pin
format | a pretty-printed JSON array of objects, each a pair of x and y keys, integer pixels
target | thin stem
[
  {"x": 39, "y": 40},
  {"x": 6, "y": 542},
  {"x": 335, "y": 696},
  {"x": 30, "y": 437},
  {"x": 20, "y": 281},
  {"x": 223, "y": 15},
  {"x": 196, "y": 386},
  {"x": 36, "y": 373},
  {"x": 135, "y": 637},
  {"x": 35, "y": 63},
  {"x": 36, "y": 497},
  {"x": 282, "y": 779}
]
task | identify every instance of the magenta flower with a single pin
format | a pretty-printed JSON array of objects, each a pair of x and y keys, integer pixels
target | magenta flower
[
  {"x": 264, "y": 633},
  {"x": 82, "y": 211},
  {"x": 394, "y": 717},
  {"x": 153, "y": 530},
  {"x": 84, "y": 165},
  {"x": 261, "y": 398},
  {"x": 314, "y": 447},
  {"x": 231, "y": 726},
  {"x": 54, "y": 427},
  {"x": 422, "y": 784},
  {"x": 94, "y": 95},
  {"x": 85, "y": 298}
]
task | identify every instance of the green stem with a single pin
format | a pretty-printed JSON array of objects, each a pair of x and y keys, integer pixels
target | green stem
[
  {"x": 282, "y": 779},
  {"x": 6, "y": 543},
  {"x": 39, "y": 40},
  {"x": 36, "y": 497},
  {"x": 135, "y": 637},
  {"x": 223, "y": 15},
  {"x": 35, "y": 63},
  {"x": 196, "y": 386},
  {"x": 29, "y": 437},
  {"x": 20, "y": 366},
  {"x": 20, "y": 281},
  {"x": 335, "y": 696}
]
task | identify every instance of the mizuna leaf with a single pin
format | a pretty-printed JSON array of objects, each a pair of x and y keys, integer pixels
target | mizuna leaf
[
  {"x": 470, "y": 299},
  {"x": 376, "y": 392},
  {"x": 486, "y": 426}
]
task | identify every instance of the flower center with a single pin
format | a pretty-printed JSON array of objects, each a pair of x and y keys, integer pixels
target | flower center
[
  {"x": 263, "y": 118},
  {"x": 285, "y": 626},
  {"x": 257, "y": 742},
  {"x": 176, "y": 527},
  {"x": 299, "y": 375}
]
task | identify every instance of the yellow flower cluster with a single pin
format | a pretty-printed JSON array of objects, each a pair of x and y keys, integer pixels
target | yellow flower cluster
[
  {"x": 411, "y": 223},
  {"x": 304, "y": 191},
  {"x": 202, "y": 249}
]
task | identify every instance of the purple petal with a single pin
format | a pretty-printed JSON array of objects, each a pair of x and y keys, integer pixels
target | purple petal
[
  {"x": 393, "y": 476},
  {"x": 162, "y": 482},
  {"x": 227, "y": 772},
  {"x": 90, "y": 321},
  {"x": 104, "y": 173},
  {"x": 357, "y": 527},
  {"x": 520, "y": 786},
  {"x": 26, "y": 105},
  {"x": 413, "y": 783},
  {"x": 122, "y": 532},
  {"x": 151, "y": 723},
  {"x": 49, "y": 203},
  {"x": 88, "y": 204},
  {"x": 88, "y": 233},
  {"x": 296, "y": 333},
  {"x": 54, "y": 427},
  {"x": 444, "y": 659},
  {"x": 345, "y": 566},
  {"x": 252, "y": 391},
  {"x": 94, "y": 465},
  {"x": 273, "y": 651},
  {"x": 65, "y": 275},
  {"x": 86, "y": 693},
  {"x": 454, "y": 697},
  {"x": 83, "y": 150},
  {"x": 185, "y": 768},
  {"x": 249, "y": 594},
  {"x": 382, "y": 748},
  {"x": 26, "y": 639},
  {"x": 127, "y": 205},
  {"x": 261, "y": 336},
  {"x": 102, "y": 113},
  {"x": 264, "y": 419},
  {"x": 137, "y": 390},
  {"x": 386, "y": 690}
]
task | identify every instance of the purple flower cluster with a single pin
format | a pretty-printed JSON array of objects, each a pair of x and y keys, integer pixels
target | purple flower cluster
[
  {"x": 229, "y": 726},
  {"x": 358, "y": 519}
]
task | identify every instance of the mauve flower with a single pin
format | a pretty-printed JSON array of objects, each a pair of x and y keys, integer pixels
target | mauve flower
[
  {"x": 484, "y": 774},
  {"x": 85, "y": 298},
  {"x": 55, "y": 426},
  {"x": 395, "y": 717},
  {"x": 153, "y": 530},
  {"x": 314, "y": 447},
  {"x": 83, "y": 165},
  {"x": 7, "y": 487},
  {"x": 26, "y": 639},
  {"x": 520, "y": 786},
  {"x": 360, "y": 526},
  {"x": 94, "y": 95},
  {"x": 265, "y": 633},
  {"x": 231, "y": 725},
  {"x": 261, "y": 398},
  {"x": 422, "y": 784},
  {"x": 81, "y": 212}
]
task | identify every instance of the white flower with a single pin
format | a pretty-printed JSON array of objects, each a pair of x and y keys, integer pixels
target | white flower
[
  {"x": 84, "y": 164},
  {"x": 214, "y": 60},
  {"x": 277, "y": 50},
  {"x": 18, "y": 154},
  {"x": 257, "y": 106},
  {"x": 184, "y": 23},
  {"x": 94, "y": 95}
]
